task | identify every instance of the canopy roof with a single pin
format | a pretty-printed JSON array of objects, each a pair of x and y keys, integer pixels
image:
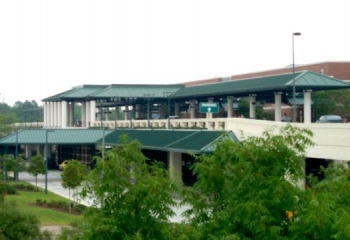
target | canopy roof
[
  {"x": 194, "y": 141},
  {"x": 264, "y": 87}
]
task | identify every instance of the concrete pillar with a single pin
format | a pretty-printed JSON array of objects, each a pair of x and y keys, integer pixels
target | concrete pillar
[
  {"x": 252, "y": 107},
  {"x": 83, "y": 115},
  {"x": 177, "y": 109},
  {"x": 175, "y": 165},
  {"x": 229, "y": 106},
  {"x": 302, "y": 181},
  {"x": 278, "y": 106},
  {"x": 137, "y": 111},
  {"x": 307, "y": 106},
  {"x": 70, "y": 114},
  {"x": 59, "y": 114},
  {"x": 51, "y": 114},
  {"x": 92, "y": 112},
  {"x": 86, "y": 121},
  {"x": 64, "y": 111},
  {"x": 54, "y": 114},
  {"x": 28, "y": 151},
  {"x": 192, "y": 108},
  {"x": 209, "y": 115},
  {"x": 126, "y": 113}
]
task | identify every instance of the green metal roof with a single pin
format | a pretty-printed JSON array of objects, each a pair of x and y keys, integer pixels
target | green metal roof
[
  {"x": 139, "y": 91},
  {"x": 116, "y": 90},
  {"x": 194, "y": 141},
  {"x": 54, "y": 136},
  {"x": 264, "y": 87},
  {"x": 80, "y": 92},
  {"x": 305, "y": 80}
]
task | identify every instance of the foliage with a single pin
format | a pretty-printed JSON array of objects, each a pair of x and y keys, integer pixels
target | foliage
[
  {"x": 10, "y": 163},
  {"x": 26, "y": 203},
  {"x": 36, "y": 167},
  {"x": 132, "y": 199},
  {"x": 17, "y": 225},
  {"x": 325, "y": 211},
  {"x": 245, "y": 189},
  {"x": 332, "y": 102},
  {"x": 73, "y": 175},
  {"x": 5, "y": 123},
  {"x": 6, "y": 188},
  {"x": 28, "y": 111}
]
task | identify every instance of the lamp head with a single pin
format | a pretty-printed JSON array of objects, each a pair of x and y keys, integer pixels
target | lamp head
[{"x": 296, "y": 33}]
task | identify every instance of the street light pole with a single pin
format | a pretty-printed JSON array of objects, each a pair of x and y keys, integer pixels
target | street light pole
[
  {"x": 168, "y": 94},
  {"x": 294, "y": 90},
  {"x": 46, "y": 159}
]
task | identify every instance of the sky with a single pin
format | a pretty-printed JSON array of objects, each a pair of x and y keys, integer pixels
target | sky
[{"x": 47, "y": 47}]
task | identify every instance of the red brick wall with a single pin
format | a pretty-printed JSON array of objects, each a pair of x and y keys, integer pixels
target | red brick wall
[{"x": 339, "y": 70}]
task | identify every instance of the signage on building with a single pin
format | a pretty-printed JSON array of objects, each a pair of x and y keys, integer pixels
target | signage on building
[{"x": 206, "y": 107}]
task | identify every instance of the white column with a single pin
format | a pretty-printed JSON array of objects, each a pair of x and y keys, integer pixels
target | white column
[
  {"x": 51, "y": 114},
  {"x": 209, "y": 115},
  {"x": 106, "y": 114},
  {"x": 54, "y": 114},
  {"x": 59, "y": 114},
  {"x": 252, "y": 108},
  {"x": 192, "y": 108},
  {"x": 83, "y": 113},
  {"x": 177, "y": 109},
  {"x": 64, "y": 111},
  {"x": 28, "y": 151},
  {"x": 87, "y": 115},
  {"x": 307, "y": 106},
  {"x": 92, "y": 112},
  {"x": 70, "y": 114},
  {"x": 278, "y": 106},
  {"x": 137, "y": 111},
  {"x": 126, "y": 112},
  {"x": 229, "y": 107},
  {"x": 175, "y": 165}
]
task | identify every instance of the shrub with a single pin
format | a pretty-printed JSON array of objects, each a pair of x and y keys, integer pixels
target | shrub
[{"x": 6, "y": 188}]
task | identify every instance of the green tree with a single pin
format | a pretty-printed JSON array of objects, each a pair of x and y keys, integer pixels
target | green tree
[
  {"x": 246, "y": 188},
  {"x": 325, "y": 207},
  {"x": 73, "y": 175},
  {"x": 331, "y": 102},
  {"x": 17, "y": 225},
  {"x": 36, "y": 167},
  {"x": 133, "y": 199}
]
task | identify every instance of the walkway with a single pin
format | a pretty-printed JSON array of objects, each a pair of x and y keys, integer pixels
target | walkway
[{"x": 54, "y": 185}]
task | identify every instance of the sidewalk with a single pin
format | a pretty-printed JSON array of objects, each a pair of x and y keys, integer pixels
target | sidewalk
[{"x": 54, "y": 185}]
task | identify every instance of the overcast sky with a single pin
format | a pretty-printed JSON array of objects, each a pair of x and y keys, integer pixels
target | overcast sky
[{"x": 47, "y": 47}]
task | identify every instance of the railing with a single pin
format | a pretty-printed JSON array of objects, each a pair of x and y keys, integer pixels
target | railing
[{"x": 332, "y": 141}]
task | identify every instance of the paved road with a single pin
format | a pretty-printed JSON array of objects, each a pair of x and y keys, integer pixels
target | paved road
[{"x": 54, "y": 185}]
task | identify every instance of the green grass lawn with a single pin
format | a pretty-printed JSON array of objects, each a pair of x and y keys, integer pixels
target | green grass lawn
[{"x": 26, "y": 202}]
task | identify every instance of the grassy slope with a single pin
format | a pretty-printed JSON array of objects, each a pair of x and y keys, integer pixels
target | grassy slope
[{"x": 25, "y": 202}]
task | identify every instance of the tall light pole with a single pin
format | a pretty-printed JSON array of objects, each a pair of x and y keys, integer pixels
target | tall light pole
[
  {"x": 168, "y": 95},
  {"x": 294, "y": 91},
  {"x": 46, "y": 156}
]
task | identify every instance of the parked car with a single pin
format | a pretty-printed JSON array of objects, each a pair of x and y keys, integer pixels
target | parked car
[
  {"x": 330, "y": 119},
  {"x": 63, "y": 165}
]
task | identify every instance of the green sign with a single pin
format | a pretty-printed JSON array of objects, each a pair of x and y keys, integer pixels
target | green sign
[{"x": 209, "y": 107}]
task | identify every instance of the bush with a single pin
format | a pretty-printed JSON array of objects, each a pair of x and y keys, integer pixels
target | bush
[
  {"x": 6, "y": 188},
  {"x": 16, "y": 225}
]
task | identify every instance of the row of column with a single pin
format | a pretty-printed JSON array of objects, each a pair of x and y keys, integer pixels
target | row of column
[{"x": 60, "y": 114}]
